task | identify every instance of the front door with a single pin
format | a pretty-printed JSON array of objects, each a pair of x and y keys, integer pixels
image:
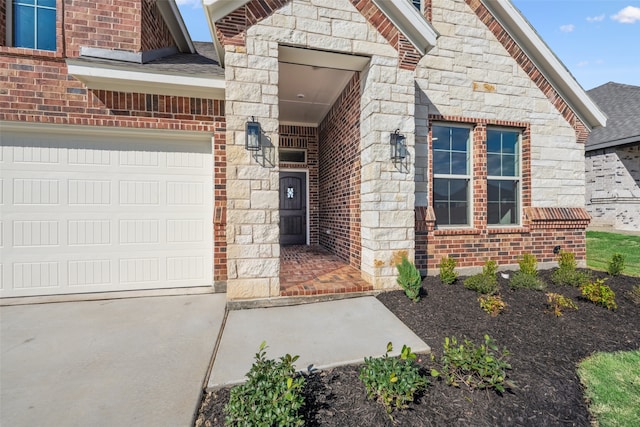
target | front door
[{"x": 293, "y": 208}]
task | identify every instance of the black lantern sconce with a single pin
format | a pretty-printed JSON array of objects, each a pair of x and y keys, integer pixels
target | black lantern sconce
[
  {"x": 398, "y": 146},
  {"x": 253, "y": 135}
]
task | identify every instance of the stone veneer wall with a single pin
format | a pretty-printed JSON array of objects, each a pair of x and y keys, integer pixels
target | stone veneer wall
[
  {"x": 251, "y": 36},
  {"x": 306, "y": 138},
  {"x": 613, "y": 187},
  {"x": 471, "y": 77},
  {"x": 340, "y": 176}
]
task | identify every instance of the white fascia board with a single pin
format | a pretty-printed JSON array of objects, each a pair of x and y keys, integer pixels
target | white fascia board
[
  {"x": 172, "y": 17},
  {"x": 103, "y": 78},
  {"x": 410, "y": 22},
  {"x": 214, "y": 11},
  {"x": 547, "y": 62},
  {"x": 124, "y": 132}
]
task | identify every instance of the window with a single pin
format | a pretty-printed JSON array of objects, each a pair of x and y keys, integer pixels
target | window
[
  {"x": 451, "y": 174},
  {"x": 503, "y": 177},
  {"x": 293, "y": 156},
  {"x": 34, "y": 24},
  {"x": 417, "y": 4}
]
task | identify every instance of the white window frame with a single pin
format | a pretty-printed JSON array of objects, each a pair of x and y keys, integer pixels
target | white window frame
[
  {"x": 517, "y": 178},
  {"x": 468, "y": 177}
]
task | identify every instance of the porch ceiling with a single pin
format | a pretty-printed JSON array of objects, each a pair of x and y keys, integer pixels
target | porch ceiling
[{"x": 307, "y": 92}]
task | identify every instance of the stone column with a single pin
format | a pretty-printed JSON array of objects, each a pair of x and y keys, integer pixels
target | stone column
[
  {"x": 388, "y": 194},
  {"x": 253, "y": 248}
]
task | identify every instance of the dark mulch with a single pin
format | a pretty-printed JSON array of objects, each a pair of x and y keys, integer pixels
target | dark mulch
[{"x": 545, "y": 350}]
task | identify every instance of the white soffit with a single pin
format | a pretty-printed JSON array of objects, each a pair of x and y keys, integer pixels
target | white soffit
[
  {"x": 547, "y": 62},
  {"x": 100, "y": 77},
  {"x": 319, "y": 58},
  {"x": 410, "y": 22}
]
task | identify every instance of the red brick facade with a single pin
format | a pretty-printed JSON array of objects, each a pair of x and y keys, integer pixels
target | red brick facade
[
  {"x": 305, "y": 138},
  {"x": 340, "y": 176},
  {"x": 37, "y": 88}
]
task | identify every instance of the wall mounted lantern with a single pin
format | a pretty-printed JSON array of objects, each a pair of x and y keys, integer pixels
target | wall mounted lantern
[
  {"x": 253, "y": 135},
  {"x": 398, "y": 146}
]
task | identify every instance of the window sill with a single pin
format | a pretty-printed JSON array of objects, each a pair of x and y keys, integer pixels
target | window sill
[
  {"x": 507, "y": 230},
  {"x": 456, "y": 232},
  {"x": 38, "y": 53}
]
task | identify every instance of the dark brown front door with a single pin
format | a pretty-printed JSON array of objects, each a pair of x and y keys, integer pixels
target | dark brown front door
[{"x": 293, "y": 208}]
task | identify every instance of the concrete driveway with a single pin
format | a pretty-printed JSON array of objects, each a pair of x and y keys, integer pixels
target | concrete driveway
[{"x": 139, "y": 361}]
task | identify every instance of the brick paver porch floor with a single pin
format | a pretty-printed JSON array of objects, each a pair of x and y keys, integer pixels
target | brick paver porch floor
[{"x": 312, "y": 270}]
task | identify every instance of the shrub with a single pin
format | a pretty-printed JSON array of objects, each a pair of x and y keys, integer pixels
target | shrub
[
  {"x": 492, "y": 304},
  {"x": 409, "y": 278},
  {"x": 521, "y": 280},
  {"x": 615, "y": 266},
  {"x": 392, "y": 381},
  {"x": 600, "y": 294},
  {"x": 448, "y": 274},
  {"x": 558, "y": 302},
  {"x": 528, "y": 265},
  {"x": 485, "y": 282},
  {"x": 272, "y": 395},
  {"x": 566, "y": 273},
  {"x": 476, "y": 366},
  {"x": 634, "y": 294}
]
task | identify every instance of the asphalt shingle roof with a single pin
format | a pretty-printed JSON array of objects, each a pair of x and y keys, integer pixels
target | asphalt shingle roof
[{"x": 621, "y": 103}]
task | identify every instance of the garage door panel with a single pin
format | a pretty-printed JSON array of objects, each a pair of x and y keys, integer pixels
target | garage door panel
[{"x": 91, "y": 215}]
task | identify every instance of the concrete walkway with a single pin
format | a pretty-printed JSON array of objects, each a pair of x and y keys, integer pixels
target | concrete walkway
[
  {"x": 323, "y": 334},
  {"x": 127, "y": 362}
]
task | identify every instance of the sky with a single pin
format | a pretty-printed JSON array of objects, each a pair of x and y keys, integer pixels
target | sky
[{"x": 597, "y": 40}]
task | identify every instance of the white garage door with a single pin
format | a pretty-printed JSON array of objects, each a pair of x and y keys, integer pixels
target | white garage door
[{"x": 104, "y": 213}]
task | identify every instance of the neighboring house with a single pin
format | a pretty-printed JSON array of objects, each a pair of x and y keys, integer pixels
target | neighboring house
[
  {"x": 127, "y": 158},
  {"x": 613, "y": 159}
]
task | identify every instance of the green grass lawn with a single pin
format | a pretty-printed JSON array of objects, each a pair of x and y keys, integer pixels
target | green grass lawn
[
  {"x": 612, "y": 386},
  {"x": 601, "y": 246}
]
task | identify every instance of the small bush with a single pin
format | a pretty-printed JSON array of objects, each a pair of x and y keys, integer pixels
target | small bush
[
  {"x": 475, "y": 366},
  {"x": 615, "y": 266},
  {"x": 600, "y": 294},
  {"x": 485, "y": 282},
  {"x": 558, "y": 302},
  {"x": 634, "y": 294},
  {"x": 566, "y": 273},
  {"x": 520, "y": 280},
  {"x": 272, "y": 395},
  {"x": 409, "y": 278},
  {"x": 392, "y": 381},
  {"x": 492, "y": 304},
  {"x": 448, "y": 274},
  {"x": 528, "y": 264}
]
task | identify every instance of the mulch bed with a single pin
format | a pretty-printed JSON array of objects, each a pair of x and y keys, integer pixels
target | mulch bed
[{"x": 544, "y": 352}]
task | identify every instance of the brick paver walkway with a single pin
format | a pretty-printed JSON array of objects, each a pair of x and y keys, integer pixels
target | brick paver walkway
[{"x": 312, "y": 270}]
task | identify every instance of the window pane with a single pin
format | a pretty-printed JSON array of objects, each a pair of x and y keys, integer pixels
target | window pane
[
  {"x": 459, "y": 139},
  {"x": 440, "y": 137},
  {"x": 23, "y": 26},
  {"x": 441, "y": 189},
  {"x": 24, "y": 2},
  {"x": 510, "y": 142},
  {"x": 441, "y": 162},
  {"x": 47, "y": 3},
  {"x": 451, "y": 201},
  {"x": 493, "y": 165},
  {"x": 46, "y": 29},
  {"x": 458, "y": 189},
  {"x": 459, "y": 214},
  {"x": 493, "y": 141},
  {"x": 502, "y": 206},
  {"x": 509, "y": 165},
  {"x": 459, "y": 163}
]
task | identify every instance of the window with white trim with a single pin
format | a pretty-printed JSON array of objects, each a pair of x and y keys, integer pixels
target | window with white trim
[
  {"x": 451, "y": 148},
  {"x": 503, "y": 176},
  {"x": 33, "y": 24}
]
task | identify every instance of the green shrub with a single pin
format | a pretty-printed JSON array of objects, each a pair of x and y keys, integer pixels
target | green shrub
[
  {"x": 409, "y": 278},
  {"x": 478, "y": 367},
  {"x": 600, "y": 294},
  {"x": 492, "y": 304},
  {"x": 615, "y": 266},
  {"x": 566, "y": 273},
  {"x": 485, "y": 282},
  {"x": 558, "y": 302},
  {"x": 634, "y": 294},
  {"x": 272, "y": 395},
  {"x": 448, "y": 274},
  {"x": 392, "y": 381},
  {"x": 528, "y": 265},
  {"x": 521, "y": 280}
]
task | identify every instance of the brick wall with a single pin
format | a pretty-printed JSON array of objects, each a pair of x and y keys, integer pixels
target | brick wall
[
  {"x": 542, "y": 230},
  {"x": 613, "y": 186},
  {"x": 340, "y": 176},
  {"x": 304, "y": 137},
  {"x": 155, "y": 34}
]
